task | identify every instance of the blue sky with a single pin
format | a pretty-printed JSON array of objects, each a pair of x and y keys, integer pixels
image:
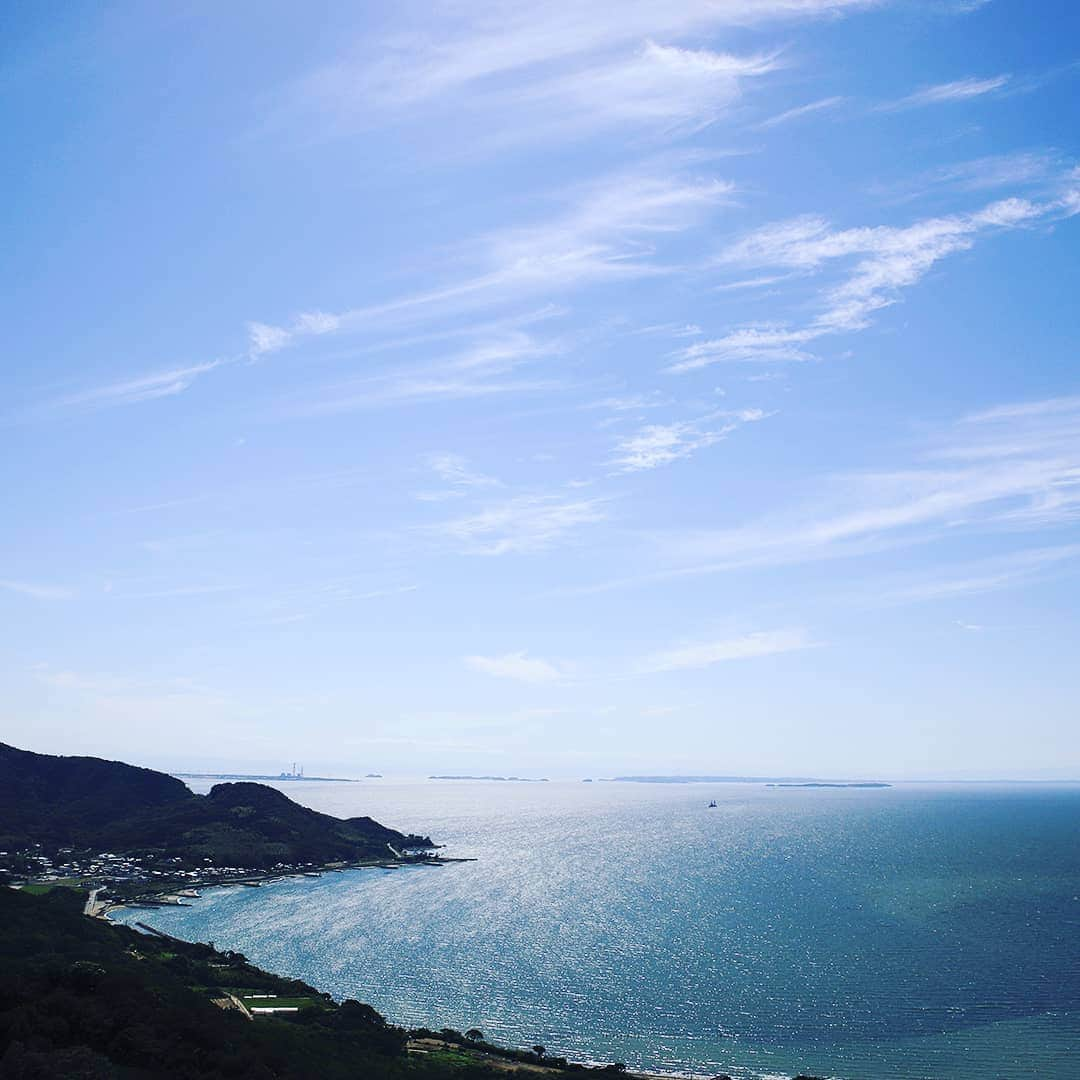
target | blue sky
[{"x": 564, "y": 389}]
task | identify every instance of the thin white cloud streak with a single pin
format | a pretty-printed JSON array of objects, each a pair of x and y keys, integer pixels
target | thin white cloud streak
[
  {"x": 485, "y": 368},
  {"x": 524, "y": 524},
  {"x": 631, "y": 403},
  {"x": 516, "y": 666},
  {"x": 1068, "y": 406},
  {"x": 140, "y": 388},
  {"x": 982, "y": 576},
  {"x": 886, "y": 260},
  {"x": 904, "y": 507},
  {"x": 35, "y": 590},
  {"x": 800, "y": 111},
  {"x": 659, "y": 85},
  {"x": 381, "y": 594},
  {"x": 608, "y": 234},
  {"x": 521, "y": 667},
  {"x": 263, "y": 338},
  {"x": 997, "y": 170},
  {"x": 1037, "y": 172},
  {"x": 749, "y": 646},
  {"x": 661, "y": 444},
  {"x": 413, "y": 389},
  {"x": 177, "y": 592},
  {"x": 1000, "y": 472},
  {"x": 454, "y": 469},
  {"x": 561, "y": 70},
  {"x": 944, "y": 93}
]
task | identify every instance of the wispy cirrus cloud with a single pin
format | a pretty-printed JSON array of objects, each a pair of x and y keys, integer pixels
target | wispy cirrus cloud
[
  {"x": 799, "y": 111},
  {"x": 459, "y": 478},
  {"x": 881, "y": 263},
  {"x": 485, "y": 367},
  {"x": 35, "y": 590},
  {"x": 655, "y": 85},
  {"x": 454, "y": 469},
  {"x": 978, "y": 576},
  {"x": 1002, "y": 472},
  {"x": 1019, "y": 169},
  {"x": 1002, "y": 469},
  {"x": 138, "y": 388},
  {"x": 944, "y": 93},
  {"x": 654, "y": 445},
  {"x": 702, "y": 654},
  {"x": 517, "y": 666},
  {"x": 263, "y": 338},
  {"x": 609, "y": 232},
  {"x": 523, "y": 524},
  {"x": 522, "y": 74}
]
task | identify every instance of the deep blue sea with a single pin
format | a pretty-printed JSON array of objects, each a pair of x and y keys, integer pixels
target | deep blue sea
[{"x": 918, "y": 932}]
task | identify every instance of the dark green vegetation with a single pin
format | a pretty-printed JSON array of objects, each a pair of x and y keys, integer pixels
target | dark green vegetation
[
  {"x": 88, "y": 803},
  {"x": 82, "y": 998}
]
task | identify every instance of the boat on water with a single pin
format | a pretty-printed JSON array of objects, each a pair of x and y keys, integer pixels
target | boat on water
[{"x": 712, "y": 804}]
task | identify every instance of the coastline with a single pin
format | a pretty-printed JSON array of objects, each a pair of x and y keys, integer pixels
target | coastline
[
  {"x": 417, "y": 1044},
  {"x": 177, "y": 892}
]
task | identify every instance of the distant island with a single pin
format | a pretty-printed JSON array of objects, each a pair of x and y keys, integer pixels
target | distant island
[
  {"x": 771, "y": 781},
  {"x": 506, "y": 779},
  {"x": 829, "y": 784}
]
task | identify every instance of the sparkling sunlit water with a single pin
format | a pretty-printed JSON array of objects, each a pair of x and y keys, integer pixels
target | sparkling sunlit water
[{"x": 922, "y": 933}]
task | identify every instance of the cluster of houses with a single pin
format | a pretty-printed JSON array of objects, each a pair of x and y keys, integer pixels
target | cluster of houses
[{"x": 32, "y": 867}]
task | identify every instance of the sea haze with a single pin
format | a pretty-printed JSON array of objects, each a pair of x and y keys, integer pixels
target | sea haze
[{"x": 916, "y": 932}]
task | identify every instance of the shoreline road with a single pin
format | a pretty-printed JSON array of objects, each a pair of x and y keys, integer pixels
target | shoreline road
[{"x": 93, "y": 905}]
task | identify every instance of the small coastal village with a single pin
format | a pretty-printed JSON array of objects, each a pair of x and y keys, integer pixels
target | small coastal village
[{"x": 145, "y": 880}]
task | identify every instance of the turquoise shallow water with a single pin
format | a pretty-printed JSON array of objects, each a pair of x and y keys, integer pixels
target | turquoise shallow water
[{"x": 923, "y": 933}]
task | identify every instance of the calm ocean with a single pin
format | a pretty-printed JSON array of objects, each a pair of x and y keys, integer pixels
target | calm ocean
[{"x": 919, "y": 932}]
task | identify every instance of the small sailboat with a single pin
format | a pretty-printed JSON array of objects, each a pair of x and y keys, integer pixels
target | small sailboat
[{"x": 712, "y": 804}]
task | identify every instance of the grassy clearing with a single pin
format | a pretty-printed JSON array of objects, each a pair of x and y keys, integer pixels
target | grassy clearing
[
  {"x": 280, "y": 1002},
  {"x": 452, "y": 1057}
]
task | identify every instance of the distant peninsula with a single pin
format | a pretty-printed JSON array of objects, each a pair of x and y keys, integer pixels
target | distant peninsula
[
  {"x": 65, "y": 805},
  {"x": 830, "y": 784},
  {"x": 505, "y": 779},
  {"x": 771, "y": 781},
  {"x": 257, "y": 778}
]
